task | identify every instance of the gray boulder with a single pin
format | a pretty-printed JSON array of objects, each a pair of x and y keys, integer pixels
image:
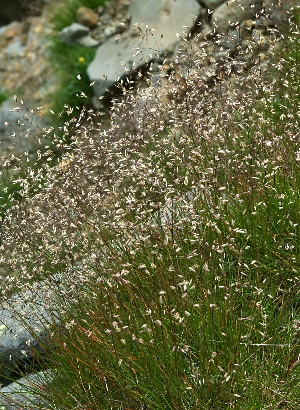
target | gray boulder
[
  {"x": 77, "y": 34},
  {"x": 166, "y": 17},
  {"x": 15, "y": 48},
  {"x": 87, "y": 41},
  {"x": 153, "y": 28},
  {"x": 18, "y": 393}
]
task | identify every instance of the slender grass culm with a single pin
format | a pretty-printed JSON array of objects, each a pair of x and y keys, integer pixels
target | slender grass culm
[{"x": 175, "y": 234}]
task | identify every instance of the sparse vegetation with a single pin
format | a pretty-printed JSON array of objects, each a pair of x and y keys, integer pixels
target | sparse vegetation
[
  {"x": 70, "y": 62},
  {"x": 176, "y": 231},
  {"x": 70, "y": 95},
  {"x": 65, "y": 13}
]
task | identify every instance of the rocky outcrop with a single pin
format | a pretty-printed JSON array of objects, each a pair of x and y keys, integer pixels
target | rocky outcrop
[
  {"x": 152, "y": 32},
  {"x": 78, "y": 34},
  {"x": 155, "y": 29},
  {"x": 24, "y": 71}
]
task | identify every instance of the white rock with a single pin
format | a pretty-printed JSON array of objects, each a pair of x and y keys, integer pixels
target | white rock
[
  {"x": 87, "y": 41},
  {"x": 15, "y": 48},
  {"x": 110, "y": 31},
  {"x": 71, "y": 34},
  {"x": 159, "y": 22}
]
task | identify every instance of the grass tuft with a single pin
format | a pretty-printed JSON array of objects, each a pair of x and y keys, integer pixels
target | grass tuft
[{"x": 171, "y": 243}]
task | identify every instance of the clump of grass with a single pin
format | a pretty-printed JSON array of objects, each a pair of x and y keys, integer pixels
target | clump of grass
[{"x": 176, "y": 231}]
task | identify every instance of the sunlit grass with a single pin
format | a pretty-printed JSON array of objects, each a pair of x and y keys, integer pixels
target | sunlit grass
[{"x": 177, "y": 243}]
